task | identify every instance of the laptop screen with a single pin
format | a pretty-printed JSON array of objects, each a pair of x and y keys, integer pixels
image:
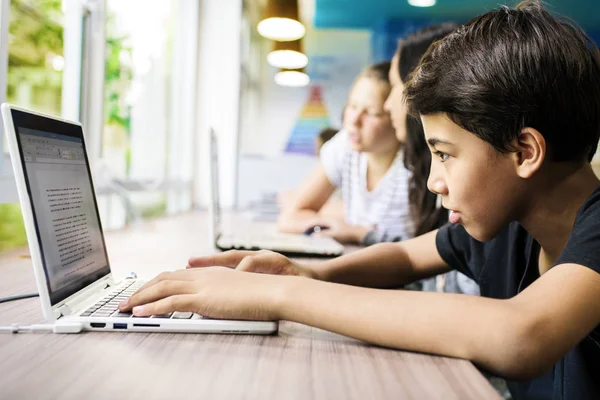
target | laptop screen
[{"x": 65, "y": 212}]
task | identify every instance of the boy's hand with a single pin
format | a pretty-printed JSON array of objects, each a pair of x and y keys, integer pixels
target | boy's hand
[
  {"x": 263, "y": 261},
  {"x": 212, "y": 292}
]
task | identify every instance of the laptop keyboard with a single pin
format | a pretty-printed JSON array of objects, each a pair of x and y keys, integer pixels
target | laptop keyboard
[{"x": 109, "y": 305}]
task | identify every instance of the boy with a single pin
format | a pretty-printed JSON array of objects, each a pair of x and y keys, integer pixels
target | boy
[{"x": 510, "y": 105}]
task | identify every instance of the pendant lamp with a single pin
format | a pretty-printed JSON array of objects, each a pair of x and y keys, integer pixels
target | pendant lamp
[
  {"x": 292, "y": 77},
  {"x": 287, "y": 55},
  {"x": 281, "y": 21}
]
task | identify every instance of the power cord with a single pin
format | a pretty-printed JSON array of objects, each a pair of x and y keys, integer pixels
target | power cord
[
  {"x": 18, "y": 297},
  {"x": 57, "y": 327}
]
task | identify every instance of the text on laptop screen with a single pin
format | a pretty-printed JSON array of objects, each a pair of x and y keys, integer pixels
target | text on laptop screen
[{"x": 64, "y": 208}]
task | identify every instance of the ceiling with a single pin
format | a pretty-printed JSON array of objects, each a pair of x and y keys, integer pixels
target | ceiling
[{"x": 365, "y": 14}]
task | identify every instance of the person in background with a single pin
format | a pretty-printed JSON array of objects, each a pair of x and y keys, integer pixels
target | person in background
[
  {"x": 334, "y": 207},
  {"x": 425, "y": 206},
  {"x": 363, "y": 160},
  {"x": 323, "y": 137}
]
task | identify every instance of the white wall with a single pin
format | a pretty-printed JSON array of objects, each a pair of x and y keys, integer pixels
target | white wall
[
  {"x": 335, "y": 58},
  {"x": 218, "y": 95}
]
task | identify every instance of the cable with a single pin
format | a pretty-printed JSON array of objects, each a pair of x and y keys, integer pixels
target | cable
[
  {"x": 18, "y": 297},
  {"x": 57, "y": 327}
]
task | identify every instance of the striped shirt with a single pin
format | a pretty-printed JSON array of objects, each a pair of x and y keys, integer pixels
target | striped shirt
[{"x": 386, "y": 207}]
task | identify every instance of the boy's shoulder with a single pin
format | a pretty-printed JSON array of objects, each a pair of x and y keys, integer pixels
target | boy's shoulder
[
  {"x": 590, "y": 207},
  {"x": 478, "y": 260},
  {"x": 584, "y": 240}
]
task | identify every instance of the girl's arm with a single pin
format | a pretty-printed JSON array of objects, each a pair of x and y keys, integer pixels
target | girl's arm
[{"x": 302, "y": 212}]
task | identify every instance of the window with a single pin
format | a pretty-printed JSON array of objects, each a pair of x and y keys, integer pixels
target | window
[
  {"x": 132, "y": 83},
  {"x": 31, "y": 63},
  {"x": 148, "y": 124}
]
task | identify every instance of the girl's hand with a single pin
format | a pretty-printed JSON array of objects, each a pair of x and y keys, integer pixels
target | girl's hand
[{"x": 342, "y": 231}]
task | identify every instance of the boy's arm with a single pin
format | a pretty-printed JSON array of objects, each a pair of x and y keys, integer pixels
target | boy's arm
[
  {"x": 520, "y": 337},
  {"x": 385, "y": 265}
]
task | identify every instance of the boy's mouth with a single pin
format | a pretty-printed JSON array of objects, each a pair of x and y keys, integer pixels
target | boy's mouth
[{"x": 454, "y": 217}]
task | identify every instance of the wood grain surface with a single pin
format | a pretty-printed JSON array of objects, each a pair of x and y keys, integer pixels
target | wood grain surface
[{"x": 300, "y": 362}]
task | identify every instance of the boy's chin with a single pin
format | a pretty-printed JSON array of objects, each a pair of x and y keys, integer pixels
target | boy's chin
[{"x": 480, "y": 233}]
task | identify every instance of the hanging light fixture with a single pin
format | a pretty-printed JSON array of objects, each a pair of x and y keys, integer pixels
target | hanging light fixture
[
  {"x": 287, "y": 55},
  {"x": 421, "y": 3},
  {"x": 281, "y": 21},
  {"x": 292, "y": 77}
]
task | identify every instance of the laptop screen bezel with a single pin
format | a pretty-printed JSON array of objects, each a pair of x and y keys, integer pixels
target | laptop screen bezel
[{"x": 22, "y": 119}]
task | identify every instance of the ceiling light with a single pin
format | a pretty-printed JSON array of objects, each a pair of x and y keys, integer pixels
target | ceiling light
[
  {"x": 421, "y": 3},
  {"x": 287, "y": 55},
  {"x": 292, "y": 77},
  {"x": 281, "y": 21}
]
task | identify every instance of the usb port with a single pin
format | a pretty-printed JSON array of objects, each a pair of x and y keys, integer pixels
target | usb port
[
  {"x": 98, "y": 325},
  {"x": 119, "y": 326}
]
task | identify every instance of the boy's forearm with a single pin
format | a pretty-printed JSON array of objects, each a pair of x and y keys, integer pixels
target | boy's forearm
[
  {"x": 453, "y": 325},
  {"x": 383, "y": 265}
]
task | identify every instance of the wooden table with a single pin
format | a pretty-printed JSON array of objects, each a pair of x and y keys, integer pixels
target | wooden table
[{"x": 300, "y": 362}]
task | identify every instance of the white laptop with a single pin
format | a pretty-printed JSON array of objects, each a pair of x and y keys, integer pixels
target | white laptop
[
  {"x": 65, "y": 235},
  {"x": 296, "y": 245}
]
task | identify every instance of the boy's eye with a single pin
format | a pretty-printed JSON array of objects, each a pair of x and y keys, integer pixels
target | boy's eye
[{"x": 441, "y": 155}]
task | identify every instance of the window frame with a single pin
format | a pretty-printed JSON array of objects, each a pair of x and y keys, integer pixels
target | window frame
[
  {"x": 8, "y": 189},
  {"x": 83, "y": 94}
]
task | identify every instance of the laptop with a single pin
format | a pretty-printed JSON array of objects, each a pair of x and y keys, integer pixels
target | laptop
[
  {"x": 294, "y": 245},
  {"x": 66, "y": 241}
]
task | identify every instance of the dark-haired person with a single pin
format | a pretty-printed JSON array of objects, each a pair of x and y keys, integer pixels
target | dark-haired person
[
  {"x": 425, "y": 209},
  {"x": 324, "y": 135},
  {"x": 510, "y": 105}
]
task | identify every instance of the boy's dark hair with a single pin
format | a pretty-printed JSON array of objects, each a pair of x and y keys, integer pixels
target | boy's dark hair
[
  {"x": 424, "y": 210},
  {"x": 515, "y": 68}
]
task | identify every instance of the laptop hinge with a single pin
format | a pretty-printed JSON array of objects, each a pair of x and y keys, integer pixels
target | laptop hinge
[
  {"x": 74, "y": 302},
  {"x": 64, "y": 310}
]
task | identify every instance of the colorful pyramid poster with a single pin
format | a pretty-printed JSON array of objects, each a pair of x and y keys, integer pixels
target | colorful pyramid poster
[{"x": 313, "y": 118}]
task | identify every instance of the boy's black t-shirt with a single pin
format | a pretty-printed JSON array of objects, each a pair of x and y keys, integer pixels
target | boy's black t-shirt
[{"x": 507, "y": 264}]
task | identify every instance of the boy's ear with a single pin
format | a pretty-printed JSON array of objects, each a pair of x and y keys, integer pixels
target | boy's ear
[{"x": 530, "y": 153}]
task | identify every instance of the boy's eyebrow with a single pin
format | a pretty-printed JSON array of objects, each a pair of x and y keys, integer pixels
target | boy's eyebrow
[{"x": 434, "y": 141}]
